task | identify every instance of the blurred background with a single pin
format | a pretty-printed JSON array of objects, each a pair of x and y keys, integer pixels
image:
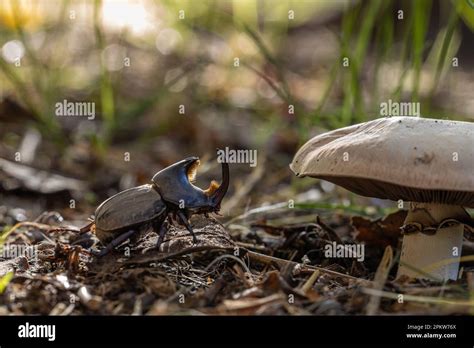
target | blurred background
[{"x": 170, "y": 79}]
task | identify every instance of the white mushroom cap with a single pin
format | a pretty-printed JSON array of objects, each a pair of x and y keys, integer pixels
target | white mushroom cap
[{"x": 409, "y": 158}]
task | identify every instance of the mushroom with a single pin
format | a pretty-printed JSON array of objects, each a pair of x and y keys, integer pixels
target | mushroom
[{"x": 427, "y": 162}]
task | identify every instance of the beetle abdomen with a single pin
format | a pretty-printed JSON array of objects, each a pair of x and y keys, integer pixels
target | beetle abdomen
[{"x": 128, "y": 208}]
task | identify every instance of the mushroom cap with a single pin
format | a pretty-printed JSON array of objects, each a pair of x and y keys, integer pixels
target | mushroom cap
[{"x": 408, "y": 158}]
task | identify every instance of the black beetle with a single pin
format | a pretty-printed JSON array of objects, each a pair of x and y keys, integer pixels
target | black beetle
[{"x": 170, "y": 193}]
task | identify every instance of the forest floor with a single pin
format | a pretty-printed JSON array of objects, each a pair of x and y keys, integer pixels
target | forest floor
[{"x": 237, "y": 268}]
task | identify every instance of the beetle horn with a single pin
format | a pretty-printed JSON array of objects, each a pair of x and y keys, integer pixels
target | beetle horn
[{"x": 222, "y": 190}]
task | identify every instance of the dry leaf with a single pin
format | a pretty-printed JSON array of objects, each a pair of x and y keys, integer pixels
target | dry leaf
[{"x": 381, "y": 232}]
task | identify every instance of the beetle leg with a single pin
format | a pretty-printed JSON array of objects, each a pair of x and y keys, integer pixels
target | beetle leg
[
  {"x": 170, "y": 219},
  {"x": 185, "y": 222},
  {"x": 85, "y": 240},
  {"x": 117, "y": 241},
  {"x": 86, "y": 228},
  {"x": 161, "y": 236}
]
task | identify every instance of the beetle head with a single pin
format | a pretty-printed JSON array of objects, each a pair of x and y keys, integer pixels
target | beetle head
[{"x": 175, "y": 185}]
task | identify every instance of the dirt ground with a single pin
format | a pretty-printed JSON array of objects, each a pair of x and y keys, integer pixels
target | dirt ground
[{"x": 261, "y": 269}]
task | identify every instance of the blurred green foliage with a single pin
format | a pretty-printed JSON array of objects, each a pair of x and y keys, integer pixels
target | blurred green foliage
[
  {"x": 194, "y": 62},
  {"x": 4, "y": 281}
]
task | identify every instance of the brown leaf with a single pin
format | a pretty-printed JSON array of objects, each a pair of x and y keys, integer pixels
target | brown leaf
[
  {"x": 249, "y": 305},
  {"x": 381, "y": 232}
]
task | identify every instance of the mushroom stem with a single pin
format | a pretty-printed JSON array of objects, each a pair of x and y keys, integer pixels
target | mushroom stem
[{"x": 438, "y": 254}]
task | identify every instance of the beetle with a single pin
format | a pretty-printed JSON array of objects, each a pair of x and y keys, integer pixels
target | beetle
[{"x": 170, "y": 194}]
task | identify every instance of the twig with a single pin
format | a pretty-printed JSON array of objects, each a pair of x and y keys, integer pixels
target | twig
[
  {"x": 40, "y": 226},
  {"x": 311, "y": 280},
  {"x": 424, "y": 299},
  {"x": 252, "y": 246},
  {"x": 266, "y": 259},
  {"x": 257, "y": 210},
  {"x": 242, "y": 263},
  {"x": 380, "y": 279},
  {"x": 328, "y": 229}
]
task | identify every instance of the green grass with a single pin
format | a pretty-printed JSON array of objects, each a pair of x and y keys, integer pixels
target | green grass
[
  {"x": 420, "y": 14},
  {"x": 106, "y": 89},
  {"x": 5, "y": 280},
  {"x": 373, "y": 28},
  {"x": 443, "y": 54}
]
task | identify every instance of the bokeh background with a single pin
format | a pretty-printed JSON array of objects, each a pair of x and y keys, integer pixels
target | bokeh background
[{"x": 261, "y": 75}]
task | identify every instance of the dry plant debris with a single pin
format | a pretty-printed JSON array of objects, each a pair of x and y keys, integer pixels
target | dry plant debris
[{"x": 268, "y": 271}]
